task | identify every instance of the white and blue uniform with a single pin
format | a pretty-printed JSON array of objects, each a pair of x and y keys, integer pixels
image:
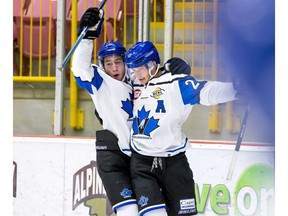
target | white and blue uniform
[
  {"x": 113, "y": 102},
  {"x": 160, "y": 171},
  {"x": 162, "y": 107},
  {"x": 112, "y": 98}
]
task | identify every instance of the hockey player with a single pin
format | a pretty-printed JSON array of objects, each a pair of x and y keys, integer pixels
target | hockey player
[
  {"x": 112, "y": 95},
  {"x": 161, "y": 175}
]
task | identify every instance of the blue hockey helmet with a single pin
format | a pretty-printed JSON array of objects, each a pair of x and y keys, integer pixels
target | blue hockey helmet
[
  {"x": 111, "y": 48},
  {"x": 141, "y": 53}
]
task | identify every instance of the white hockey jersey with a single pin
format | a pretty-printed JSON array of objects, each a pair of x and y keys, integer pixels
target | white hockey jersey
[
  {"x": 112, "y": 98},
  {"x": 161, "y": 108}
]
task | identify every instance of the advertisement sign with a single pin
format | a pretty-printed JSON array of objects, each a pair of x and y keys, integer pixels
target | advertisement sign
[
  {"x": 58, "y": 176},
  {"x": 250, "y": 191}
]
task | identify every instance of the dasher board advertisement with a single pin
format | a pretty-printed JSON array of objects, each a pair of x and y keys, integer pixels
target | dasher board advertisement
[{"x": 58, "y": 176}]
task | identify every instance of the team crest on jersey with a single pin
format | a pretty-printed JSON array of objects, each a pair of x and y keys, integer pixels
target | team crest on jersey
[
  {"x": 143, "y": 124},
  {"x": 157, "y": 93}
]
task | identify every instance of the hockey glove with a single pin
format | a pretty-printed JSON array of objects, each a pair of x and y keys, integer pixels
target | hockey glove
[
  {"x": 177, "y": 65},
  {"x": 241, "y": 89},
  {"x": 93, "y": 19}
]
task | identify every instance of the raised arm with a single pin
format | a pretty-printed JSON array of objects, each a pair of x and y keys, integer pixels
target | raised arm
[{"x": 81, "y": 63}]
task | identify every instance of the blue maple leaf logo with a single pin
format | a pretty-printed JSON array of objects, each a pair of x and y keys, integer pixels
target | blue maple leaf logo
[
  {"x": 127, "y": 106},
  {"x": 144, "y": 125},
  {"x": 126, "y": 193},
  {"x": 143, "y": 201}
]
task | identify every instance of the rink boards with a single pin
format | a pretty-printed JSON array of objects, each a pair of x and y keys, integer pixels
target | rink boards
[{"x": 58, "y": 176}]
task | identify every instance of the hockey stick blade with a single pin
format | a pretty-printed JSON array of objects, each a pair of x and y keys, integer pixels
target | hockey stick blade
[
  {"x": 238, "y": 144},
  {"x": 75, "y": 45}
]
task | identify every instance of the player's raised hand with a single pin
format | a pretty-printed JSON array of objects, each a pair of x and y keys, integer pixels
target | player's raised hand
[
  {"x": 93, "y": 19},
  {"x": 90, "y": 17}
]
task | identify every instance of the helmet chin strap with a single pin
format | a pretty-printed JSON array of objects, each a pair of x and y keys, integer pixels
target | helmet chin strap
[{"x": 150, "y": 72}]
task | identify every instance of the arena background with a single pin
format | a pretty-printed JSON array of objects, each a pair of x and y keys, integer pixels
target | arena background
[{"x": 30, "y": 123}]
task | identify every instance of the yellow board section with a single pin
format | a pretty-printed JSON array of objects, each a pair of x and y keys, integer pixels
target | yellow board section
[
  {"x": 215, "y": 122},
  {"x": 80, "y": 119}
]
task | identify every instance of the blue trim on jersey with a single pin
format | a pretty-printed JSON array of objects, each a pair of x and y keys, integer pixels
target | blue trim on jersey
[
  {"x": 128, "y": 150},
  {"x": 174, "y": 150},
  {"x": 151, "y": 208},
  {"x": 190, "y": 89},
  {"x": 96, "y": 81},
  {"x": 179, "y": 147},
  {"x": 135, "y": 146},
  {"x": 84, "y": 84},
  {"x": 128, "y": 202}
]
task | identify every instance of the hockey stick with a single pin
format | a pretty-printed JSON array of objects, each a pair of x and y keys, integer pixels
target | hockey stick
[
  {"x": 238, "y": 144},
  {"x": 81, "y": 36}
]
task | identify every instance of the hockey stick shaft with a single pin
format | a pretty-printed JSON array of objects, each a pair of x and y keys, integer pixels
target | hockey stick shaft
[
  {"x": 238, "y": 144},
  {"x": 81, "y": 36}
]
